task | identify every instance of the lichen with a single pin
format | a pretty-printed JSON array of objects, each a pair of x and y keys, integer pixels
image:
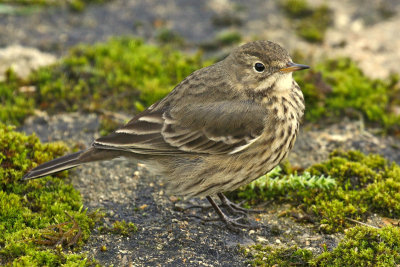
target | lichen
[{"x": 30, "y": 212}]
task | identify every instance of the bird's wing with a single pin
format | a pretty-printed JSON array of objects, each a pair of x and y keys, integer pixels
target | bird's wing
[{"x": 214, "y": 128}]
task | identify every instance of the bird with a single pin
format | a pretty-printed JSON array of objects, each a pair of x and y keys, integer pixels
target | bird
[{"x": 221, "y": 127}]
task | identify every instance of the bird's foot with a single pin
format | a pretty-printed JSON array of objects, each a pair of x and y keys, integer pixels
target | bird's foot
[
  {"x": 234, "y": 224},
  {"x": 234, "y": 208}
]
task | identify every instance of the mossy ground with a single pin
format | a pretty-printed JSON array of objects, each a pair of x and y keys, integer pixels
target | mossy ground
[
  {"x": 120, "y": 227},
  {"x": 309, "y": 23},
  {"x": 38, "y": 215},
  {"x": 75, "y": 5},
  {"x": 350, "y": 185},
  {"x": 123, "y": 74},
  {"x": 334, "y": 88},
  {"x": 127, "y": 75},
  {"x": 334, "y": 195},
  {"x": 361, "y": 246}
]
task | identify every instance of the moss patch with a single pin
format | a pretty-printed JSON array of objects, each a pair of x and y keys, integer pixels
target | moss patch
[
  {"x": 363, "y": 184},
  {"x": 168, "y": 36},
  {"x": 222, "y": 39},
  {"x": 337, "y": 87},
  {"x": 38, "y": 213},
  {"x": 277, "y": 256},
  {"x": 365, "y": 246},
  {"x": 122, "y": 74},
  {"x": 75, "y": 5},
  {"x": 310, "y": 23},
  {"x": 14, "y": 105},
  {"x": 276, "y": 185},
  {"x": 362, "y": 246},
  {"x": 121, "y": 228},
  {"x": 126, "y": 74}
]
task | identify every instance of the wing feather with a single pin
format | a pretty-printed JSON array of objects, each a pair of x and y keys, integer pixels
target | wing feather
[{"x": 217, "y": 128}]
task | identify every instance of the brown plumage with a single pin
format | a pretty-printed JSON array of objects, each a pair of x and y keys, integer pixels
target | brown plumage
[{"x": 221, "y": 127}]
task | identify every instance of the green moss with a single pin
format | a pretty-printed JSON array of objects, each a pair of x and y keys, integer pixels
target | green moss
[
  {"x": 127, "y": 75},
  {"x": 313, "y": 27},
  {"x": 277, "y": 256},
  {"x": 228, "y": 38},
  {"x": 226, "y": 19},
  {"x": 310, "y": 23},
  {"x": 113, "y": 75},
  {"x": 361, "y": 246},
  {"x": 337, "y": 87},
  {"x": 108, "y": 125},
  {"x": 122, "y": 74},
  {"x": 296, "y": 8},
  {"x": 363, "y": 184},
  {"x": 124, "y": 228},
  {"x": 275, "y": 184},
  {"x": 224, "y": 38},
  {"x": 40, "y": 212},
  {"x": 364, "y": 246},
  {"x": 75, "y": 5},
  {"x": 168, "y": 36},
  {"x": 14, "y": 105},
  {"x": 120, "y": 228}
]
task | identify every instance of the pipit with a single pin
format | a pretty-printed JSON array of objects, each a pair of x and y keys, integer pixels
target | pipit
[{"x": 220, "y": 128}]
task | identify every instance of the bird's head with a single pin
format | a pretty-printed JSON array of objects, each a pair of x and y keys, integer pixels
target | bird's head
[{"x": 261, "y": 65}]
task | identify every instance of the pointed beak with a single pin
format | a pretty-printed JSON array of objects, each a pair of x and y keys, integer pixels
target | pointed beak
[{"x": 290, "y": 67}]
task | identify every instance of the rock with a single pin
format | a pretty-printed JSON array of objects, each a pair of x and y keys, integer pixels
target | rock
[{"x": 23, "y": 60}]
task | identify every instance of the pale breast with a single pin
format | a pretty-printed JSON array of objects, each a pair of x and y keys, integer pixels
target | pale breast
[{"x": 278, "y": 138}]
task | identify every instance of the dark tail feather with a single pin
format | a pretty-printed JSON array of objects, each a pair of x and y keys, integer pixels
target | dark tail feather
[
  {"x": 55, "y": 165},
  {"x": 73, "y": 160}
]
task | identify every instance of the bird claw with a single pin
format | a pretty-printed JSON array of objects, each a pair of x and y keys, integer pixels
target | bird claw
[
  {"x": 235, "y": 208},
  {"x": 233, "y": 223}
]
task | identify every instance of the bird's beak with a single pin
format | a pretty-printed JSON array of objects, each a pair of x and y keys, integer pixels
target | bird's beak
[{"x": 290, "y": 67}]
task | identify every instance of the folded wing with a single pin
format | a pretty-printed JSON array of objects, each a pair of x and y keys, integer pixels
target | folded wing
[{"x": 223, "y": 127}]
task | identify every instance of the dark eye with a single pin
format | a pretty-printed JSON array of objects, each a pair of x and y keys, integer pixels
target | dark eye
[{"x": 259, "y": 67}]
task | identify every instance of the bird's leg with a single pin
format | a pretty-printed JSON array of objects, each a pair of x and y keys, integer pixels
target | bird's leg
[
  {"x": 235, "y": 208},
  {"x": 231, "y": 223}
]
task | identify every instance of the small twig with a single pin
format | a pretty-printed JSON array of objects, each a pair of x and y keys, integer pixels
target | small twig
[{"x": 361, "y": 223}]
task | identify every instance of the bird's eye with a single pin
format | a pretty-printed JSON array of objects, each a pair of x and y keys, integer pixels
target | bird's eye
[{"x": 259, "y": 67}]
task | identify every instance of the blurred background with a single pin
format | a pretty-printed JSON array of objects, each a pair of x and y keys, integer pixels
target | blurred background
[{"x": 73, "y": 70}]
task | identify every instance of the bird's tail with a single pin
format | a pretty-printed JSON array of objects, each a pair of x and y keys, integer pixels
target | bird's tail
[
  {"x": 53, "y": 166},
  {"x": 71, "y": 161}
]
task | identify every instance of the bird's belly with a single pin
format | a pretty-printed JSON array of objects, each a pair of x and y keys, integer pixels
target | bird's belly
[
  {"x": 264, "y": 156},
  {"x": 219, "y": 173}
]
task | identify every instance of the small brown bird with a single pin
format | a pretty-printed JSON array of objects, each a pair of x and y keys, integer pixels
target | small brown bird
[{"x": 222, "y": 127}]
